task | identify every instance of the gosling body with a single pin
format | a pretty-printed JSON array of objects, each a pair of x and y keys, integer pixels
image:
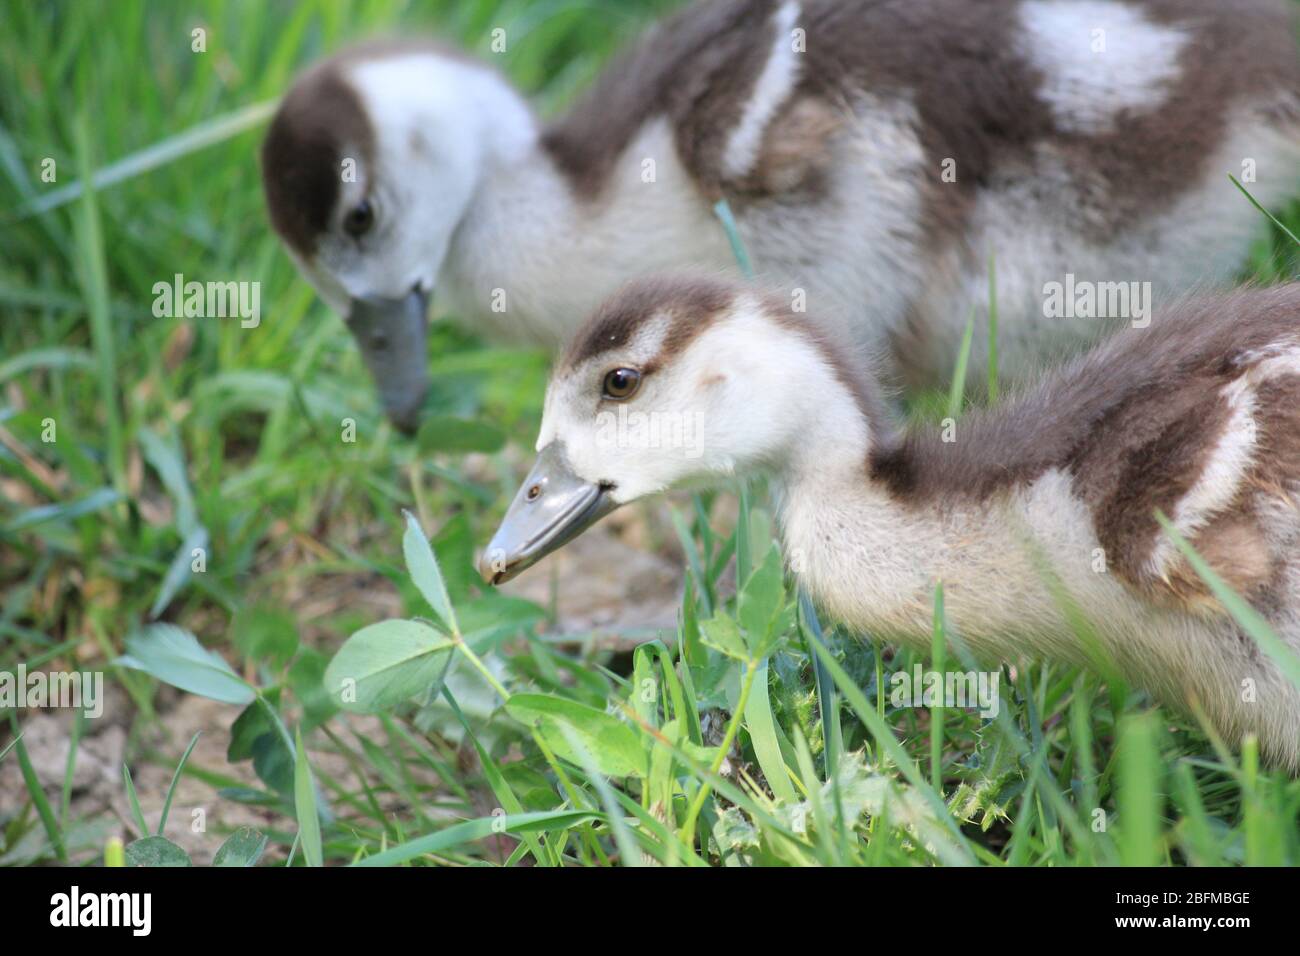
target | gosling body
[
  {"x": 879, "y": 158},
  {"x": 1026, "y": 513}
]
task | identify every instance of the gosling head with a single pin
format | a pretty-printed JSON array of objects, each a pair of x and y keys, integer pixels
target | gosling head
[
  {"x": 680, "y": 381},
  {"x": 368, "y": 167}
]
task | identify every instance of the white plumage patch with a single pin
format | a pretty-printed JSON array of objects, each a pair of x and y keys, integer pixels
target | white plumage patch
[
  {"x": 773, "y": 88},
  {"x": 1281, "y": 358},
  {"x": 1227, "y": 465},
  {"x": 1098, "y": 58}
]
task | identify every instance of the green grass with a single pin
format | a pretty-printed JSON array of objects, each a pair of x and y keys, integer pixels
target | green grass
[{"x": 177, "y": 434}]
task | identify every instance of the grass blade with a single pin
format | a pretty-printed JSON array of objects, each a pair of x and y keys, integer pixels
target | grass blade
[
  {"x": 993, "y": 332},
  {"x": 1139, "y": 798},
  {"x": 762, "y": 735},
  {"x": 176, "y": 776},
  {"x": 957, "y": 391},
  {"x": 885, "y": 739},
  {"x": 43, "y": 808},
  {"x": 1251, "y": 621},
  {"x": 1255, "y": 202},
  {"x": 93, "y": 276},
  {"x": 74, "y": 744},
  {"x": 827, "y": 699},
  {"x": 722, "y": 210},
  {"x": 938, "y": 646},
  {"x": 304, "y": 802},
  {"x": 131, "y": 798},
  {"x": 160, "y": 154},
  {"x": 470, "y": 830},
  {"x": 12, "y": 744}
]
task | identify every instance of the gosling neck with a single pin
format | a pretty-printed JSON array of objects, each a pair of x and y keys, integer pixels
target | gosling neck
[
  {"x": 872, "y": 556},
  {"x": 535, "y": 251}
]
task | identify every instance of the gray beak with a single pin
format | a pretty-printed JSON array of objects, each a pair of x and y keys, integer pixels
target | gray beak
[
  {"x": 553, "y": 507},
  {"x": 391, "y": 333}
]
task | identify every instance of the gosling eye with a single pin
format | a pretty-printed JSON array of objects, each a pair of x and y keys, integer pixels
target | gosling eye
[
  {"x": 359, "y": 219},
  {"x": 621, "y": 384}
]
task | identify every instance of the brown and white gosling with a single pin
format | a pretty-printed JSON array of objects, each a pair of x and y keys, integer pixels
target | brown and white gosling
[
  {"x": 874, "y": 151},
  {"x": 677, "y": 381}
]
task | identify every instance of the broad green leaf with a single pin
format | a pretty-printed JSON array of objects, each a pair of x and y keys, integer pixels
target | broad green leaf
[
  {"x": 486, "y": 620},
  {"x": 761, "y": 603},
  {"x": 629, "y": 854},
  {"x": 612, "y": 744},
  {"x": 386, "y": 663},
  {"x": 307, "y": 681},
  {"x": 423, "y": 568},
  {"x": 155, "y": 851},
  {"x": 248, "y": 726},
  {"x": 244, "y": 847},
  {"x": 273, "y": 762},
  {"x": 660, "y": 782},
  {"x": 723, "y": 635},
  {"x": 175, "y": 657}
]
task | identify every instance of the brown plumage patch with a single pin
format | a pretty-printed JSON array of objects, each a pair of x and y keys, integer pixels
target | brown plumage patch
[
  {"x": 303, "y": 152},
  {"x": 1100, "y": 404},
  {"x": 1235, "y": 548},
  {"x": 1235, "y": 544},
  {"x": 696, "y": 68},
  {"x": 1277, "y": 413},
  {"x": 1146, "y": 456},
  {"x": 1133, "y": 423},
  {"x": 960, "y": 65},
  {"x": 1238, "y": 53},
  {"x": 320, "y": 118},
  {"x": 796, "y": 149},
  {"x": 691, "y": 304}
]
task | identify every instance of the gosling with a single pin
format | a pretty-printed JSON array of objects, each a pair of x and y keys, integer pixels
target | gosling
[
  {"x": 1057, "y": 489},
  {"x": 873, "y": 152}
]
